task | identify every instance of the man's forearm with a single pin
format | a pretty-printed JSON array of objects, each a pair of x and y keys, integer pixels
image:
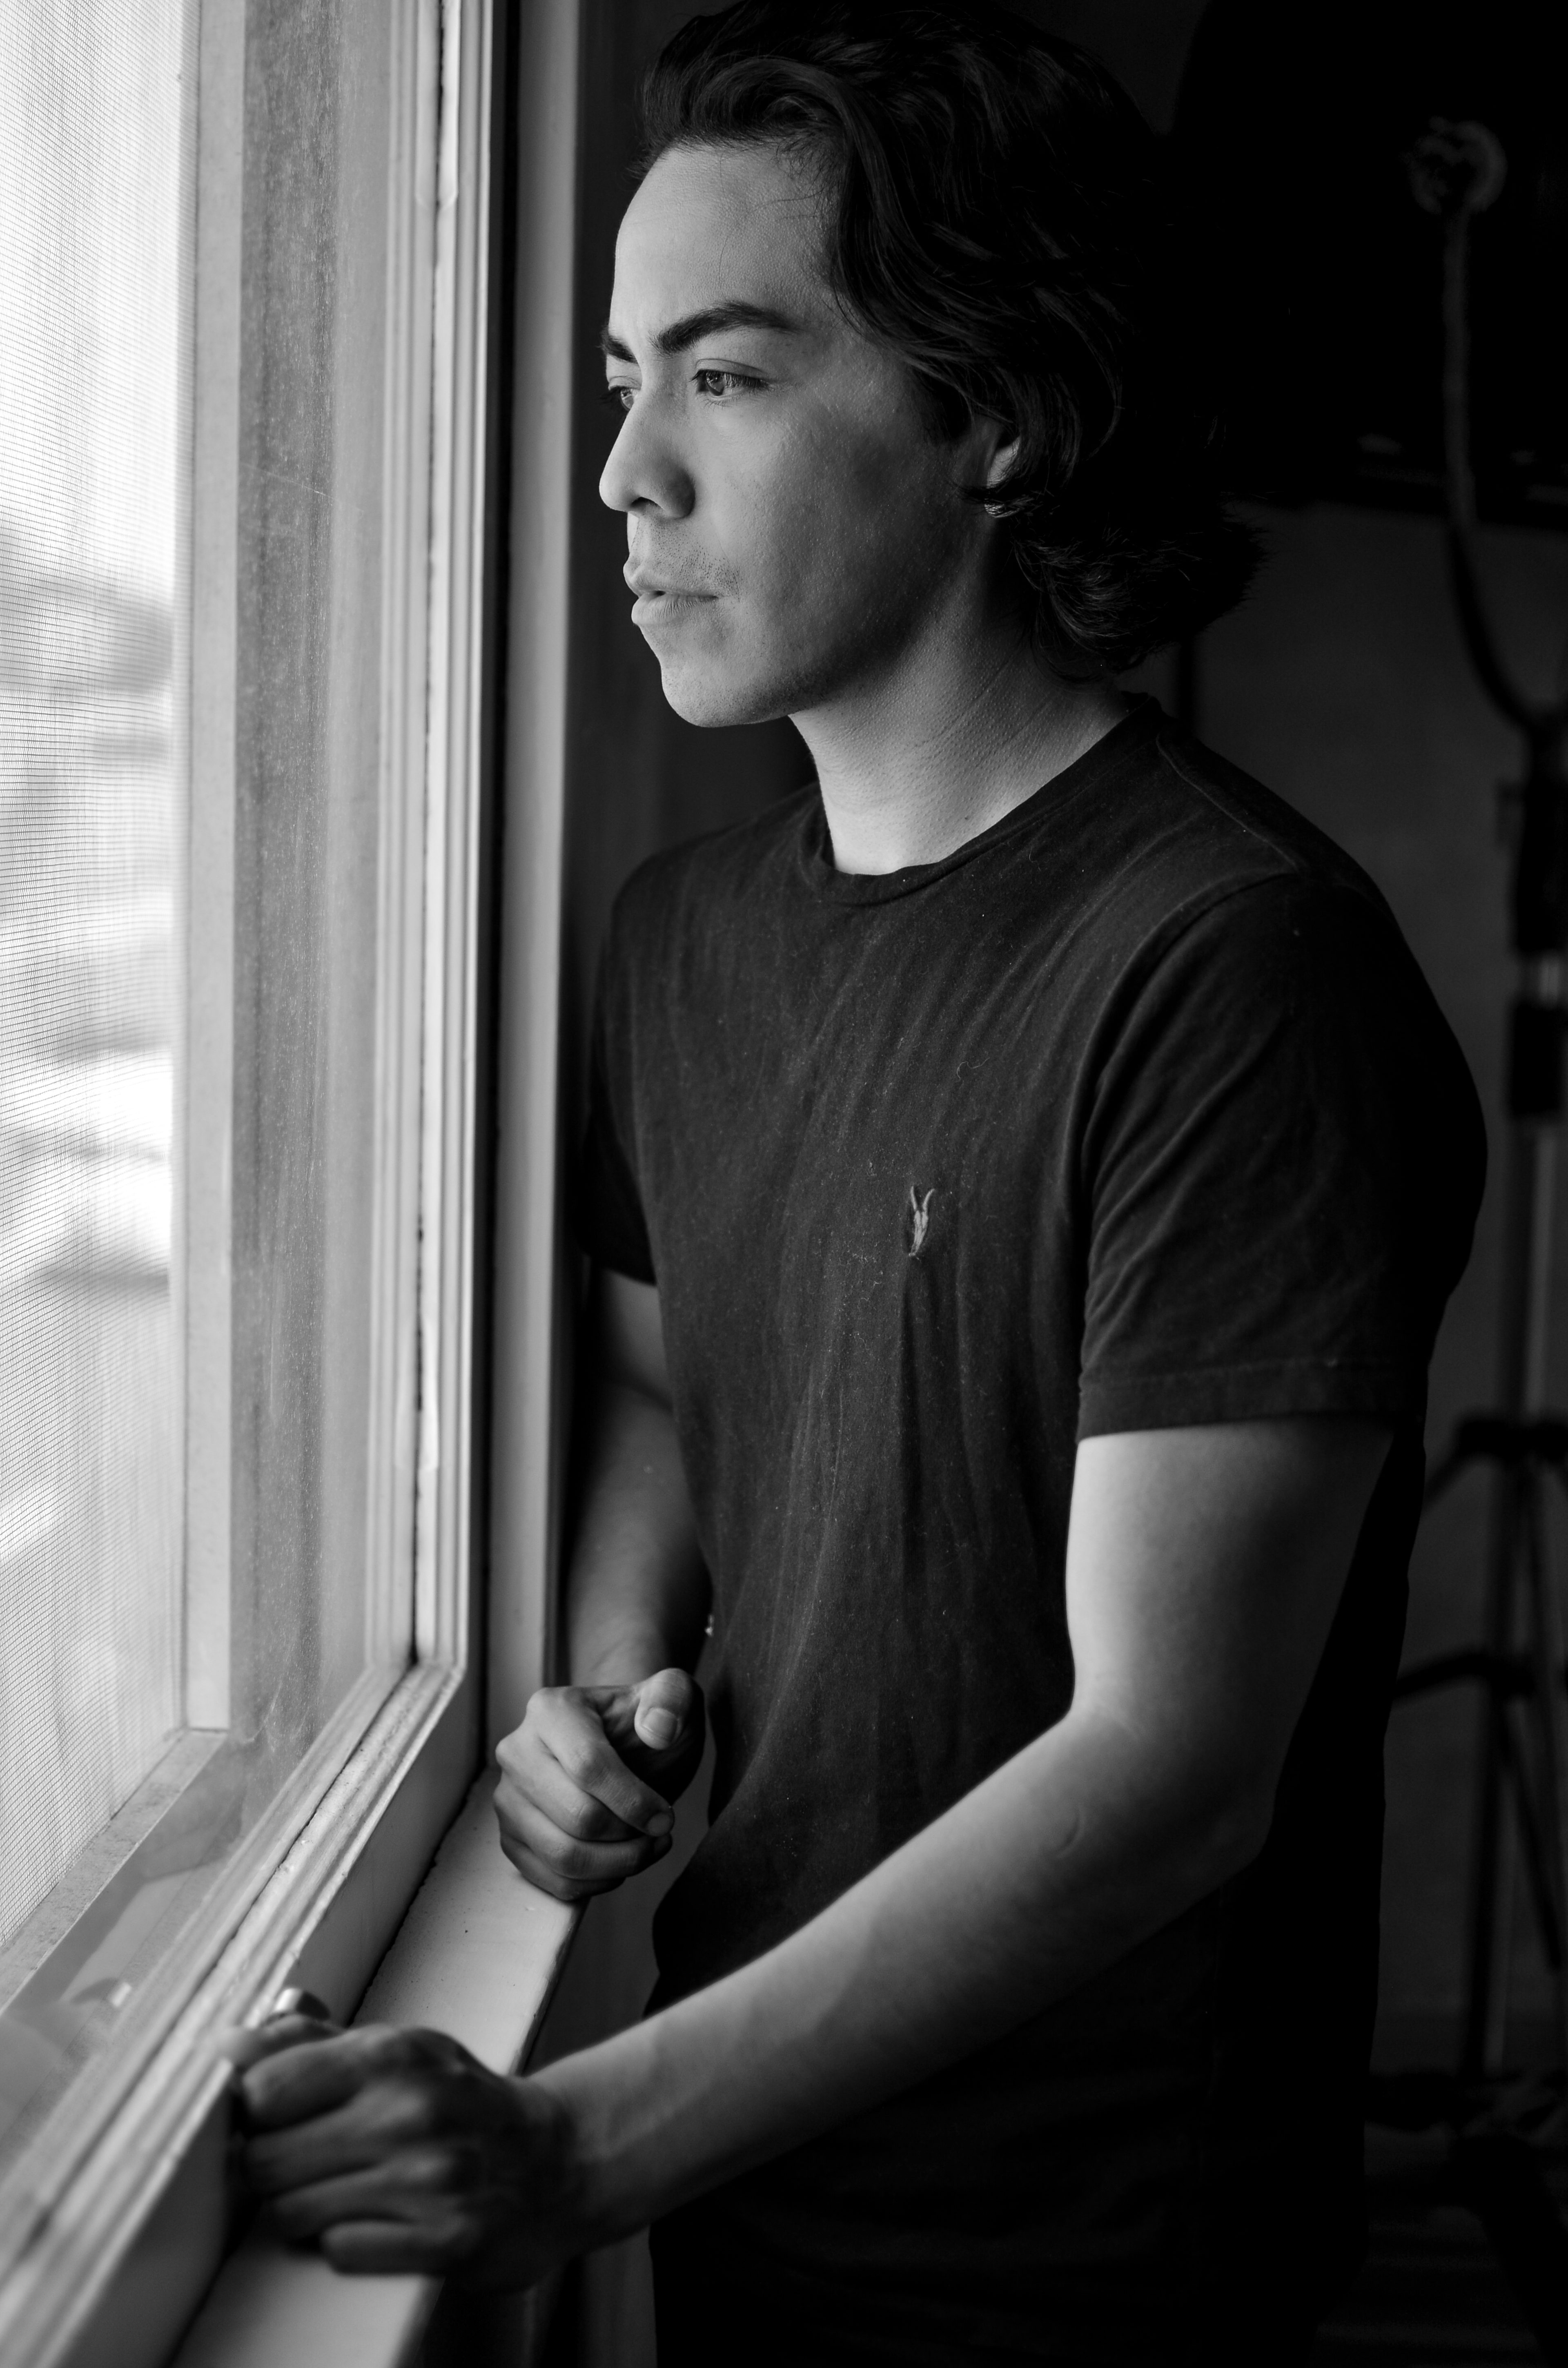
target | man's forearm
[
  {"x": 1055, "y": 1866},
  {"x": 1204, "y": 1568},
  {"x": 638, "y": 1594}
]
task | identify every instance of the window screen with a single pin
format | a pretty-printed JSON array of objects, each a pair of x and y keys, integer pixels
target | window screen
[
  {"x": 210, "y": 947},
  {"x": 92, "y": 360}
]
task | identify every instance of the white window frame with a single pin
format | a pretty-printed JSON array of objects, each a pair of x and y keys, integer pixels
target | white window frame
[{"x": 131, "y": 2191}]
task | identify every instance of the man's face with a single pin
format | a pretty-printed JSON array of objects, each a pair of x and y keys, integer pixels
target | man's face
[{"x": 789, "y": 518}]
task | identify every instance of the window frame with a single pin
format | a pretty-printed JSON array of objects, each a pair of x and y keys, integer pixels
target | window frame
[{"x": 134, "y": 2202}]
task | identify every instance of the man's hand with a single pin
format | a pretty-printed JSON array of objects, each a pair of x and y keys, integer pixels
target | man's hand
[
  {"x": 588, "y": 1779},
  {"x": 396, "y": 2151}
]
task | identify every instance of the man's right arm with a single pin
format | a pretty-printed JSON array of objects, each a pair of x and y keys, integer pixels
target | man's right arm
[{"x": 589, "y": 1778}]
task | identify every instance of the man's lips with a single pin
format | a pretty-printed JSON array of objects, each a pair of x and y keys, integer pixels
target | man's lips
[{"x": 658, "y": 599}]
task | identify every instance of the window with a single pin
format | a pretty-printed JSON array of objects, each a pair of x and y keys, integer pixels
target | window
[{"x": 242, "y": 316}]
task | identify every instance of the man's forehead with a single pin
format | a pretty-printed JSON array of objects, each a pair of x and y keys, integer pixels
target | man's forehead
[{"x": 727, "y": 237}]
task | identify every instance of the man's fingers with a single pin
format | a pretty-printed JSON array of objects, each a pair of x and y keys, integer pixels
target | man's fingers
[
  {"x": 567, "y": 1806},
  {"x": 657, "y": 1727},
  {"x": 544, "y": 1877},
  {"x": 378, "y": 2123},
  {"x": 577, "y": 1862},
  {"x": 365, "y": 2249},
  {"x": 578, "y": 1737},
  {"x": 667, "y": 1705},
  {"x": 397, "y": 2216},
  {"x": 657, "y": 1715},
  {"x": 411, "y": 2184},
  {"x": 302, "y": 2081},
  {"x": 280, "y": 2031}
]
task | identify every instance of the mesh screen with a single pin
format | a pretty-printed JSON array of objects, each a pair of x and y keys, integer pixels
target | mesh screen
[
  {"x": 318, "y": 1140},
  {"x": 91, "y": 350}
]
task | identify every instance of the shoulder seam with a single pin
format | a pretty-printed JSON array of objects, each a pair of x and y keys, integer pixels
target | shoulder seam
[
  {"x": 1175, "y": 927},
  {"x": 1288, "y": 862}
]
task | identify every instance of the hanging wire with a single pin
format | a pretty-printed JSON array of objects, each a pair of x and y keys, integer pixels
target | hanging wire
[{"x": 1457, "y": 171}]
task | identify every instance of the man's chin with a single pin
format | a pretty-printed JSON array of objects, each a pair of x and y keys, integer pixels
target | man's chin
[{"x": 713, "y": 699}]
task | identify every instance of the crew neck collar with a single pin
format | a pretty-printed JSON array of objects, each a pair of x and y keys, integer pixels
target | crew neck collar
[{"x": 836, "y": 887}]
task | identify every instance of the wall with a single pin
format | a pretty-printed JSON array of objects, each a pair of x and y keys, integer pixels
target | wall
[
  {"x": 1342, "y": 682},
  {"x": 640, "y": 777}
]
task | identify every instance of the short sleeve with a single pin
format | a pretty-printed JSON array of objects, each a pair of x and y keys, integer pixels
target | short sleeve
[
  {"x": 607, "y": 1203},
  {"x": 1281, "y": 1170}
]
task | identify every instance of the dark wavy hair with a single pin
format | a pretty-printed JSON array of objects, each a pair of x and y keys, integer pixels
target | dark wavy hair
[{"x": 998, "y": 215}]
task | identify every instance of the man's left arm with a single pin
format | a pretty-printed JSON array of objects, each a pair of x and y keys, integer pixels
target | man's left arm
[{"x": 1204, "y": 1568}]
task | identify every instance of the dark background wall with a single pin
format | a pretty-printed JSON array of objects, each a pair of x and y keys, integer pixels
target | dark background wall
[
  {"x": 1342, "y": 684},
  {"x": 640, "y": 777}
]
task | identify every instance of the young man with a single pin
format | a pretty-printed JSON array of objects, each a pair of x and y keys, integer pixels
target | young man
[{"x": 1024, "y": 1176}]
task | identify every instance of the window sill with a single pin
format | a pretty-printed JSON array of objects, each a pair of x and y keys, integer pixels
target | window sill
[{"x": 477, "y": 1955}]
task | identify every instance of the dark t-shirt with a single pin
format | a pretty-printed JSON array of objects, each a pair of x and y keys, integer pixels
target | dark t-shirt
[{"x": 1134, "y": 1112}]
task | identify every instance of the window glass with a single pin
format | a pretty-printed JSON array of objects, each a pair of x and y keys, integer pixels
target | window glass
[
  {"x": 91, "y": 395},
  {"x": 209, "y": 989}
]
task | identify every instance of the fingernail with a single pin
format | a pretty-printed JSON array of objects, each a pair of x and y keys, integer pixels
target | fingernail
[
  {"x": 661, "y": 1823},
  {"x": 658, "y": 1727},
  {"x": 297, "y": 2001}
]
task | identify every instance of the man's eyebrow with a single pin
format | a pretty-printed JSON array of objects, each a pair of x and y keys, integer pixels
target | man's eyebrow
[{"x": 693, "y": 326}]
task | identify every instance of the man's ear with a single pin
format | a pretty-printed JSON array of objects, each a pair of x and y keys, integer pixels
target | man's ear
[
  {"x": 1001, "y": 456},
  {"x": 983, "y": 454}
]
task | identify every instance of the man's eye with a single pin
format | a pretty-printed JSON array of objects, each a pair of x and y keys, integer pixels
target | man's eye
[
  {"x": 619, "y": 398},
  {"x": 722, "y": 382}
]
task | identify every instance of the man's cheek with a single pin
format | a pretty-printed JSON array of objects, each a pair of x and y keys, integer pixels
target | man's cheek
[{"x": 847, "y": 551}]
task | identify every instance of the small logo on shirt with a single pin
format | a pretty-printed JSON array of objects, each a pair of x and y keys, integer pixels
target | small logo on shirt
[{"x": 919, "y": 1215}]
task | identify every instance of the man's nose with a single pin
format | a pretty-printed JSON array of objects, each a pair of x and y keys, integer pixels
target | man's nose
[{"x": 645, "y": 471}]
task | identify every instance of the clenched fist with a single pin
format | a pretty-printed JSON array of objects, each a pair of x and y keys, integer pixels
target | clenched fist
[{"x": 588, "y": 1779}]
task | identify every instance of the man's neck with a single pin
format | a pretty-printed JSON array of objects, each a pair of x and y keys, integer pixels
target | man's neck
[{"x": 943, "y": 744}]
